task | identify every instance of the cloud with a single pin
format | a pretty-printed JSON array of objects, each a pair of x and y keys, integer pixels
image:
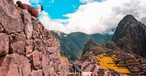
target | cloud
[
  {"x": 144, "y": 20},
  {"x": 90, "y": 1},
  {"x": 97, "y": 17},
  {"x": 86, "y": 1},
  {"x": 52, "y": 24}
]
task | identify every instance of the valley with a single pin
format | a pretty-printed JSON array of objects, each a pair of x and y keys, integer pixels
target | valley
[
  {"x": 27, "y": 48},
  {"x": 123, "y": 55}
]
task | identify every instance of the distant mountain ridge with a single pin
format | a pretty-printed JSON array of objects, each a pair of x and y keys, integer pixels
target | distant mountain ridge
[
  {"x": 130, "y": 36},
  {"x": 72, "y": 44}
]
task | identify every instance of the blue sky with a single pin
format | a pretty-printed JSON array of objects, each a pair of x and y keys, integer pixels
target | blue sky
[
  {"x": 61, "y": 7},
  {"x": 58, "y": 8},
  {"x": 88, "y": 16}
]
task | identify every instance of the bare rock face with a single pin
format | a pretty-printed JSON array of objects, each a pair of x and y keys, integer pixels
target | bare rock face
[
  {"x": 26, "y": 47},
  {"x": 130, "y": 36},
  {"x": 10, "y": 21},
  {"x": 4, "y": 44}
]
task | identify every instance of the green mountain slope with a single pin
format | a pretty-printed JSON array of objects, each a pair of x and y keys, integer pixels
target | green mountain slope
[{"x": 72, "y": 44}]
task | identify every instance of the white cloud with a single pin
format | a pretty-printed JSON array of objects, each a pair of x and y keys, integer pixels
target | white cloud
[
  {"x": 52, "y": 24},
  {"x": 98, "y": 17},
  {"x": 86, "y": 1},
  {"x": 90, "y": 1}
]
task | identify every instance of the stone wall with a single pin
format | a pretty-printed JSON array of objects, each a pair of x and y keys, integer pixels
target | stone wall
[{"x": 26, "y": 47}]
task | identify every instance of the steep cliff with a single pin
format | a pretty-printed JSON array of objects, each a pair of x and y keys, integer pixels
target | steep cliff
[
  {"x": 130, "y": 36},
  {"x": 26, "y": 47}
]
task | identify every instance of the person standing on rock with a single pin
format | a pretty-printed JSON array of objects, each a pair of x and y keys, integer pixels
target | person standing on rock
[
  {"x": 73, "y": 68},
  {"x": 33, "y": 11},
  {"x": 77, "y": 69}
]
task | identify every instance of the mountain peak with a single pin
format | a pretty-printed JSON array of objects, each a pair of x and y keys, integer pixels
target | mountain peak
[
  {"x": 130, "y": 35},
  {"x": 126, "y": 24},
  {"x": 91, "y": 42},
  {"x": 89, "y": 46},
  {"x": 129, "y": 18}
]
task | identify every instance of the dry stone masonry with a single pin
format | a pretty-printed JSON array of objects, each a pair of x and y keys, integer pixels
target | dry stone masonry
[{"x": 26, "y": 47}]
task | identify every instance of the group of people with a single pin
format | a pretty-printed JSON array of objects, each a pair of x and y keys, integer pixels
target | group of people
[{"x": 75, "y": 69}]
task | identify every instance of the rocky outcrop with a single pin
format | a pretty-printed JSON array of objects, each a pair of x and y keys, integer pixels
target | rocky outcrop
[
  {"x": 26, "y": 47},
  {"x": 92, "y": 46},
  {"x": 112, "y": 45},
  {"x": 92, "y": 49},
  {"x": 130, "y": 36}
]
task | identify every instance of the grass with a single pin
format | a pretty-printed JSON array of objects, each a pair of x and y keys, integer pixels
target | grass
[
  {"x": 63, "y": 58},
  {"x": 107, "y": 62}
]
